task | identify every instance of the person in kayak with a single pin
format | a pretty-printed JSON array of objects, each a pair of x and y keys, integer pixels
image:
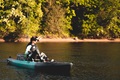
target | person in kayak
[{"x": 32, "y": 52}]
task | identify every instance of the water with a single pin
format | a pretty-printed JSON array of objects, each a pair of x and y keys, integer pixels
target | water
[{"x": 92, "y": 61}]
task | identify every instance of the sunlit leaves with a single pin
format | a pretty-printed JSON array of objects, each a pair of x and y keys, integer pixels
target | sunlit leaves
[
  {"x": 100, "y": 18},
  {"x": 58, "y": 19},
  {"x": 91, "y": 18},
  {"x": 21, "y": 16}
]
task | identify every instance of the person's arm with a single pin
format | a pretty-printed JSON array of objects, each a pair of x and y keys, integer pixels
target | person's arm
[
  {"x": 38, "y": 51},
  {"x": 28, "y": 49}
]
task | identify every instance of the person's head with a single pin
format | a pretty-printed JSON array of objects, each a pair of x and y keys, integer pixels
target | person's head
[{"x": 34, "y": 39}]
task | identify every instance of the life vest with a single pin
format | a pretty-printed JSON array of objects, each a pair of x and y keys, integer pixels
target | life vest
[{"x": 33, "y": 48}]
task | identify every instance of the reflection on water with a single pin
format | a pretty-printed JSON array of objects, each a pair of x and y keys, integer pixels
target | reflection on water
[{"x": 92, "y": 61}]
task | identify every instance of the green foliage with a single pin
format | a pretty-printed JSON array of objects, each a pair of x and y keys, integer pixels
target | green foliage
[
  {"x": 113, "y": 28},
  {"x": 57, "y": 20},
  {"x": 22, "y": 17},
  {"x": 96, "y": 20},
  {"x": 60, "y": 18}
]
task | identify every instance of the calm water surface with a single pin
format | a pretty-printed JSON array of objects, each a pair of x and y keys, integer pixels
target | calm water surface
[{"x": 92, "y": 61}]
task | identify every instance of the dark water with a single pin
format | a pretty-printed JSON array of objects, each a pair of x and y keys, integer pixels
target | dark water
[{"x": 92, "y": 61}]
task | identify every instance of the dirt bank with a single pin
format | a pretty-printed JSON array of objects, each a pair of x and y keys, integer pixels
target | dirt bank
[{"x": 66, "y": 40}]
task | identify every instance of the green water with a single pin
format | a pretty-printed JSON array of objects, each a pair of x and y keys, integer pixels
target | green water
[{"x": 92, "y": 61}]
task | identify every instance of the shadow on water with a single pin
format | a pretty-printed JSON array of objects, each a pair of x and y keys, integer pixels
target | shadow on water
[
  {"x": 28, "y": 74},
  {"x": 53, "y": 72}
]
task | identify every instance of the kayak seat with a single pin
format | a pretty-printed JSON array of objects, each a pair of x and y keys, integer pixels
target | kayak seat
[{"x": 20, "y": 57}]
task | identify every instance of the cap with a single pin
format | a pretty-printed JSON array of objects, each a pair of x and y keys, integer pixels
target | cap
[{"x": 34, "y": 38}]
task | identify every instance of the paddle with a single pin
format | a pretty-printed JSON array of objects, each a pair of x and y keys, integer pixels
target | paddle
[{"x": 44, "y": 57}]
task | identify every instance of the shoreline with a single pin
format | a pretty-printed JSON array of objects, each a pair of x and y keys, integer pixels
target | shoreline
[
  {"x": 79, "y": 40},
  {"x": 66, "y": 40}
]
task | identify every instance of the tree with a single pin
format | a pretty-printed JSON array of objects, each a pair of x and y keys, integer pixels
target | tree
[
  {"x": 20, "y": 18},
  {"x": 56, "y": 19},
  {"x": 94, "y": 18}
]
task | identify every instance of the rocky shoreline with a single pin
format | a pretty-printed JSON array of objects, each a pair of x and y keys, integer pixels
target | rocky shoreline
[
  {"x": 66, "y": 40},
  {"x": 79, "y": 40}
]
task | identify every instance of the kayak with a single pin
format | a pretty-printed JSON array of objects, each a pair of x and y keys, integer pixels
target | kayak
[{"x": 49, "y": 66}]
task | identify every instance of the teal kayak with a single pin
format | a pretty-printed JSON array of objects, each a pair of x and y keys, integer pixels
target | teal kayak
[
  {"x": 20, "y": 63},
  {"x": 42, "y": 66}
]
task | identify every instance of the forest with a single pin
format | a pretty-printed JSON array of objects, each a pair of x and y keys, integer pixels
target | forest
[{"x": 93, "y": 19}]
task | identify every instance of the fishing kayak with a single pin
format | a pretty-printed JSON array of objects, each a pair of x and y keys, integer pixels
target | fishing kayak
[{"x": 42, "y": 66}]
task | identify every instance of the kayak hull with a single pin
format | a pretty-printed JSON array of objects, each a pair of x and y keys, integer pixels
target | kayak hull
[
  {"x": 53, "y": 67},
  {"x": 20, "y": 63}
]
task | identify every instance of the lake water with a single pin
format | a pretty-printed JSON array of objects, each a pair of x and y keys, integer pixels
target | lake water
[{"x": 92, "y": 61}]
